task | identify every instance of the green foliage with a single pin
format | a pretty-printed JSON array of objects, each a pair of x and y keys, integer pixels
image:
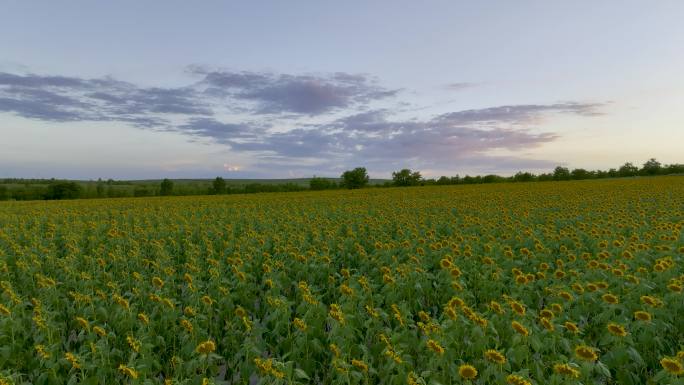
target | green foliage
[
  {"x": 63, "y": 190},
  {"x": 561, "y": 173},
  {"x": 356, "y": 178},
  {"x": 628, "y": 169},
  {"x": 142, "y": 191},
  {"x": 523, "y": 177},
  {"x": 218, "y": 186},
  {"x": 166, "y": 187},
  {"x": 580, "y": 173},
  {"x": 651, "y": 167},
  {"x": 406, "y": 177},
  {"x": 318, "y": 183}
]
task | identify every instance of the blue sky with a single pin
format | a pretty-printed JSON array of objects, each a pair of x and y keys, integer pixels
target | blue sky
[{"x": 154, "y": 89}]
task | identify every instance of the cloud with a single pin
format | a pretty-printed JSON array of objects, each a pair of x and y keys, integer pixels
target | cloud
[
  {"x": 301, "y": 94},
  {"x": 460, "y": 86},
  {"x": 63, "y": 99},
  {"x": 518, "y": 114},
  {"x": 382, "y": 144},
  {"x": 304, "y": 122},
  {"x": 220, "y": 132}
]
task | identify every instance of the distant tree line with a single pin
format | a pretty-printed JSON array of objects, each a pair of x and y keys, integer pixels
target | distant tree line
[
  {"x": 52, "y": 189},
  {"x": 652, "y": 167}
]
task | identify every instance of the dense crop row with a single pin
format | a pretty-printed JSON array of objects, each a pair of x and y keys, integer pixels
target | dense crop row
[{"x": 556, "y": 283}]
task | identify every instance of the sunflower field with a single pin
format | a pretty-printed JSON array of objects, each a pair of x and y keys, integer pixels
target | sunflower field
[{"x": 521, "y": 283}]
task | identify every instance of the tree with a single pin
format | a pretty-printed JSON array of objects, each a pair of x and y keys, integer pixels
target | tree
[
  {"x": 651, "y": 167},
  {"x": 492, "y": 178},
  {"x": 218, "y": 186},
  {"x": 628, "y": 169},
  {"x": 580, "y": 173},
  {"x": 673, "y": 169},
  {"x": 406, "y": 177},
  {"x": 545, "y": 177},
  {"x": 355, "y": 178},
  {"x": 166, "y": 187},
  {"x": 100, "y": 188},
  {"x": 523, "y": 177},
  {"x": 318, "y": 183},
  {"x": 63, "y": 190},
  {"x": 561, "y": 173}
]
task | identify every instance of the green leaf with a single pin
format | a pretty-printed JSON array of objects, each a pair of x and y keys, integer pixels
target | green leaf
[
  {"x": 634, "y": 355},
  {"x": 603, "y": 369},
  {"x": 299, "y": 373}
]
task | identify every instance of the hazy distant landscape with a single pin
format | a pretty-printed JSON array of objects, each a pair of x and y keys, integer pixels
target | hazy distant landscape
[{"x": 37, "y": 189}]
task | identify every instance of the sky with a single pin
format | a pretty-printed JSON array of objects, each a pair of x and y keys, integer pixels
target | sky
[{"x": 288, "y": 89}]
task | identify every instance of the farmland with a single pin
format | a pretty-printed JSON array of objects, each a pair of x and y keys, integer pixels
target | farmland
[{"x": 528, "y": 283}]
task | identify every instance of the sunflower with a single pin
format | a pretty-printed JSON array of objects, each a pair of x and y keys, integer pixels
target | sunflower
[
  {"x": 187, "y": 325},
  {"x": 495, "y": 356},
  {"x": 675, "y": 287},
  {"x": 206, "y": 347},
  {"x": 412, "y": 379},
  {"x": 566, "y": 370},
  {"x": 435, "y": 346},
  {"x": 134, "y": 344},
  {"x": 142, "y": 317},
  {"x": 496, "y": 307},
  {"x": 99, "y": 331},
  {"x": 577, "y": 288},
  {"x": 445, "y": 263},
  {"x": 546, "y": 313},
  {"x": 610, "y": 298},
  {"x": 642, "y": 315},
  {"x": 672, "y": 365},
  {"x": 450, "y": 312},
  {"x": 517, "y": 380},
  {"x": 128, "y": 372},
  {"x": 240, "y": 312},
  {"x": 336, "y": 313},
  {"x": 571, "y": 327},
  {"x": 586, "y": 353},
  {"x": 456, "y": 302},
  {"x": 518, "y": 307},
  {"x": 518, "y": 327},
  {"x": 651, "y": 301},
  {"x": 42, "y": 353},
  {"x": 158, "y": 282},
  {"x": 616, "y": 329},
  {"x": 360, "y": 365},
  {"x": 299, "y": 324},
  {"x": 467, "y": 371},
  {"x": 335, "y": 350},
  {"x": 73, "y": 360},
  {"x": 83, "y": 323}
]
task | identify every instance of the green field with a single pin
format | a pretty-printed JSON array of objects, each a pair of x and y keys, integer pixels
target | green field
[{"x": 526, "y": 283}]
